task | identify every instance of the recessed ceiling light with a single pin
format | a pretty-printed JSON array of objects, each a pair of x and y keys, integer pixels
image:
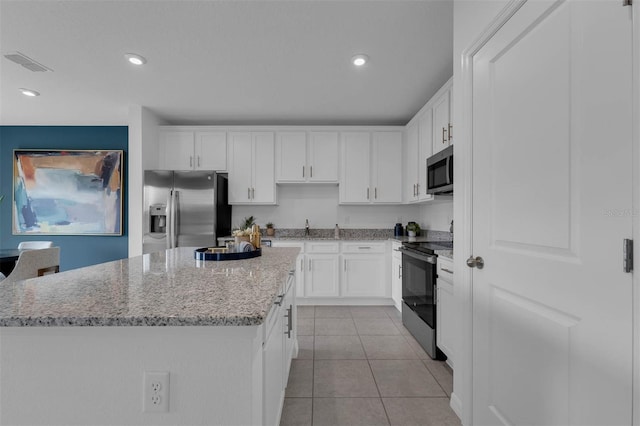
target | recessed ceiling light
[
  {"x": 135, "y": 59},
  {"x": 359, "y": 60},
  {"x": 29, "y": 92}
]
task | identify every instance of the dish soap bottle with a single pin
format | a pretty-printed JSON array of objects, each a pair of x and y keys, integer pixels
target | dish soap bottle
[{"x": 336, "y": 233}]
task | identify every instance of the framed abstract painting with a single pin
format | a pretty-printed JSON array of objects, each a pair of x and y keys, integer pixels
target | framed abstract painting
[{"x": 73, "y": 192}]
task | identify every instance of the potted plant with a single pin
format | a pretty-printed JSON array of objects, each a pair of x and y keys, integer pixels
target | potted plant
[
  {"x": 413, "y": 229},
  {"x": 243, "y": 231},
  {"x": 270, "y": 231}
]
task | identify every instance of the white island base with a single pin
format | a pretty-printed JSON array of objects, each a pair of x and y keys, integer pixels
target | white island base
[{"x": 94, "y": 375}]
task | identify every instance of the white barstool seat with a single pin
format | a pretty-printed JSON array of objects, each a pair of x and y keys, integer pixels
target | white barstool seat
[
  {"x": 34, "y": 245},
  {"x": 35, "y": 263}
]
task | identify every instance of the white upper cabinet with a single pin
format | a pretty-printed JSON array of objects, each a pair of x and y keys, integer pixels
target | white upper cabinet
[
  {"x": 302, "y": 157},
  {"x": 251, "y": 168},
  {"x": 192, "y": 150},
  {"x": 442, "y": 126},
  {"x": 425, "y": 146},
  {"x": 371, "y": 167},
  {"x": 386, "y": 176},
  {"x": 411, "y": 163},
  {"x": 211, "y": 151},
  {"x": 355, "y": 165},
  {"x": 323, "y": 157}
]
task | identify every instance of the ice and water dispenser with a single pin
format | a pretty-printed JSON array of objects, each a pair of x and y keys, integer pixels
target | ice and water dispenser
[{"x": 158, "y": 213}]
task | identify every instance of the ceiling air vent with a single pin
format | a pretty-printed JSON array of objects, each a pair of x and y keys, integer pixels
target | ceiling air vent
[{"x": 26, "y": 62}]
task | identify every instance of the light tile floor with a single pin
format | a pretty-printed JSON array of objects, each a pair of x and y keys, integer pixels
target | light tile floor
[{"x": 358, "y": 365}]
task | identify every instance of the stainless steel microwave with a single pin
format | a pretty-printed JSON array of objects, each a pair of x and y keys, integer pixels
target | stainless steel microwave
[{"x": 440, "y": 172}]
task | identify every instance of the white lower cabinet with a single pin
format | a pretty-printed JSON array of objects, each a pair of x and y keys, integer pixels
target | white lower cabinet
[
  {"x": 364, "y": 270},
  {"x": 321, "y": 277},
  {"x": 396, "y": 274},
  {"x": 445, "y": 313},
  {"x": 278, "y": 350}
]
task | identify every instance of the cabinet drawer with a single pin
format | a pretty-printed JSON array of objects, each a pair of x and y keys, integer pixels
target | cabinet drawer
[
  {"x": 322, "y": 248},
  {"x": 363, "y": 247},
  {"x": 445, "y": 269}
]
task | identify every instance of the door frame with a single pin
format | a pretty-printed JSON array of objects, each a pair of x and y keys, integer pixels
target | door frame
[{"x": 462, "y": 396}]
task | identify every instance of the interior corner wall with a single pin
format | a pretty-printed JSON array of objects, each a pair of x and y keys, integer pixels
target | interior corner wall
[{"x": 75, "y": 250}]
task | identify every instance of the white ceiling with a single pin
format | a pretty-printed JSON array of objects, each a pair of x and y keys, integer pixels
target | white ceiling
[{"x": 224, "y": 62}]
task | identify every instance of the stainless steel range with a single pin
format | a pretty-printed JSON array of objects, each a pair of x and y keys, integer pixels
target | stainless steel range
[{"x": 419, "y": 292}]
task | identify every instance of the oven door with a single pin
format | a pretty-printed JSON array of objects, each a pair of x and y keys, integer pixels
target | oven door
[{"x": 418, "y": 284}]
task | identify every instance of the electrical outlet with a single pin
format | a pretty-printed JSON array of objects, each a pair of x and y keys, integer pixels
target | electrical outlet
[{"x": 155, "y": 391}]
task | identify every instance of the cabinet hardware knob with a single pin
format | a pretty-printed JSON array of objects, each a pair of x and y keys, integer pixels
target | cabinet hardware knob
[{"x": 475, "y": 262}]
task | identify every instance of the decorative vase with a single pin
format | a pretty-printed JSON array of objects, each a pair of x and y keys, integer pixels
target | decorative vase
[
  {"x": 238, "y": 239},
  {"x": 271, "y": 232},
  {"x": 411, "y": 233}
]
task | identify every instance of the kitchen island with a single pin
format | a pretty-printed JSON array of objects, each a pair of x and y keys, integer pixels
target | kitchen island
[{"x": 75, "y": 346}]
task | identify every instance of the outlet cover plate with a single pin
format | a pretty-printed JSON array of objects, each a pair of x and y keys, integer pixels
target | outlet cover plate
[{"x": 155, "y": 392}]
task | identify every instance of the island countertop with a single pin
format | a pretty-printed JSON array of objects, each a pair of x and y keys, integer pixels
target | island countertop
[{"x": 169, "y": 288}]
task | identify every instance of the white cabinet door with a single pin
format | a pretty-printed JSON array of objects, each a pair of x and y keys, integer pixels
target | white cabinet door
[
  {"x": 363, "y": 275},
  {"x": 444, "y": 320},
  {"x": 323, "y": 157},
  {"x": 321, "y": 278},
  {"x": 425, "y": 148},
  {"x": 442, "y": 122},
  {"x": 355, "y": 164},
  {"x": 387, "y": 167},
  {"x": 210, "y": 151},
  {"x": 273, "y": 372},
  {"x": 263, "y": 190},
  {"x": 291, "y": 157},
  {"x": 176, "y": 150},
  {"x": 396, "y": 275},
  {"x": 251, "y": 169},
  {"x": 411, "y": 163},
  {"x": 240, "y": 167}
]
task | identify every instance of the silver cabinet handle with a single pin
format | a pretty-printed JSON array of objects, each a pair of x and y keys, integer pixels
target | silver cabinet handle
[
  {"x": 417, "y": 189},
  {"x": 289, "y": 317},
  {"x": 302, "y": 264},
  {"x": 375, "y": 192},
  {"x": 191, "y": 161},
  {"x": 444, "y": 137},
  {"x": 450, "y": 127},
  {"x": 311, "y": 168},
  {"x": 367, "y": 193},
  {"x": 248, "y": 193},
  {"x": 253, "y": 193},
  {"x": 302, "y": 171},
  {"x": 364, "y": 248},
  {"x": 414, "y": 189},
  {"x": 399, "y": 271},
  {"x": 198, "y": 161},
  {"x": 446, "y": 270}
]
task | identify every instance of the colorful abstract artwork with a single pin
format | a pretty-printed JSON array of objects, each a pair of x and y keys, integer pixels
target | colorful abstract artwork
[{"x": 67, "y": 192}]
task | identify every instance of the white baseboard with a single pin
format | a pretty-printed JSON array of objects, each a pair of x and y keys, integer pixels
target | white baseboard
[
  {"x": 375, "y": 301},
  {"x": 456, "y": 405}
]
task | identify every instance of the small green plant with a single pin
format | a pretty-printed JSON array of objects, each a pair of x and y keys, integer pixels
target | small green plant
[
  {"x": 413, "y": 227},
  {"x": 248, "y": 222},
  {"x": 269, "y": 225}
]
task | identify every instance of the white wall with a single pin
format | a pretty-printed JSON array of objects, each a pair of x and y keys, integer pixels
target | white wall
[
  {"x": 319, "y": 204},
  {"x": 142, "y": 154},
  {"x": 436, "y": 215}
]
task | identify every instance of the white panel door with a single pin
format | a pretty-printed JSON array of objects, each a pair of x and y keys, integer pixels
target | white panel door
[
  {"x": 387, "y": 167},
  {"x": 263, "y": 189},
  {"x": 211, "y": 151},
  {"x": 321, "y": 279},
  {"x": 323, "y": 157},
  {"x": 552, "y": 333},
  {"x": 291, "y": 157},
  {"x": 355, "y": 163},
  {"x": 240, "y": 167}
]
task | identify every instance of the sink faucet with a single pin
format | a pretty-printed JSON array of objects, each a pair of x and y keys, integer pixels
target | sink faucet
[{"x": 306, "y": 228}]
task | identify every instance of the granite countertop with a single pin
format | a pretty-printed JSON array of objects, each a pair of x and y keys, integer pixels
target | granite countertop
[{"x": 169, "y": 288}]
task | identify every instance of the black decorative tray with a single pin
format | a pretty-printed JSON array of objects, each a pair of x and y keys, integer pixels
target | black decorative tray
[{"x": 207, "y": 254}]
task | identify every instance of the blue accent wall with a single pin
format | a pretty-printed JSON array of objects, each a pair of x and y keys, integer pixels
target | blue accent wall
[{"x": 75, "y": 250}]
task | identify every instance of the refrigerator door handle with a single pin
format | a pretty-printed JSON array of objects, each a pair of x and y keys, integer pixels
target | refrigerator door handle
[
  {"x": 174, "y": 219},
  {"x": 169, "y": 230}
]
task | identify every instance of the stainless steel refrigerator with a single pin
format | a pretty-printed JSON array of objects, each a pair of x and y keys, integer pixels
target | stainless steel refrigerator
[{"x": 184, "y": 209}]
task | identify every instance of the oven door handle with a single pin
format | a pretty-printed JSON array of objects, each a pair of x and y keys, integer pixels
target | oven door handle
[{"x": 424, "y": 257}]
